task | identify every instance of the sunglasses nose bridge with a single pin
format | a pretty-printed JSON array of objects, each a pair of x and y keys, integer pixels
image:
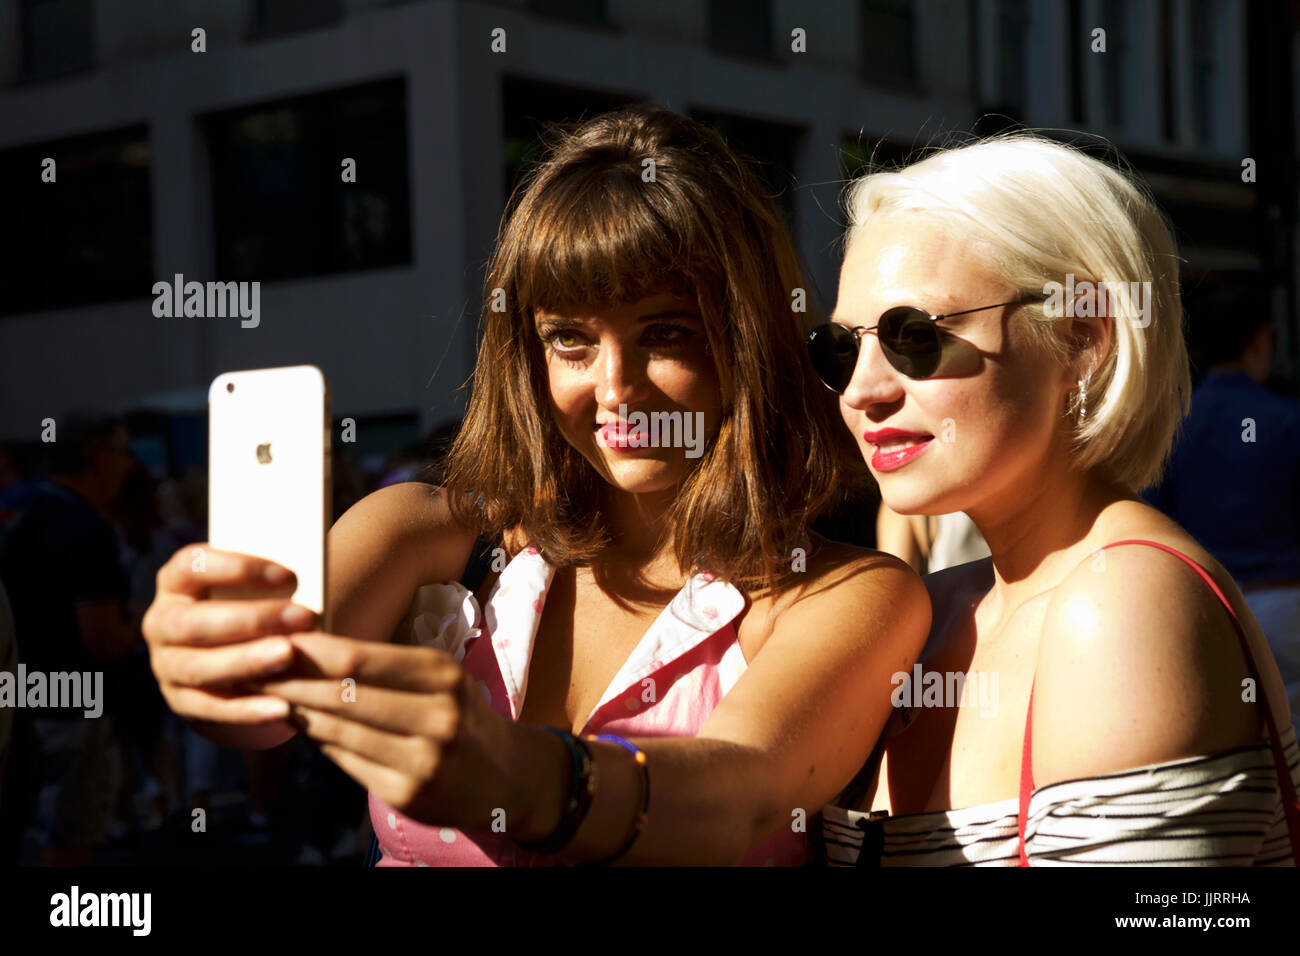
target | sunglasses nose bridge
[{"x": 874, "y": 379}]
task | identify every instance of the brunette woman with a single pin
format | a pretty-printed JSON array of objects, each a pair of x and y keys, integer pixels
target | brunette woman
[{"x": 642, "y": 454}]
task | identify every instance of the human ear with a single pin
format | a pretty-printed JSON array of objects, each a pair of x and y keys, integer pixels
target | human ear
[{"x": 1092, "y": 330}]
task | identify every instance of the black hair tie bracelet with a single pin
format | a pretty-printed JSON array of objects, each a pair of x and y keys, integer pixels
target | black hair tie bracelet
[{"x": 582, "y": 786}]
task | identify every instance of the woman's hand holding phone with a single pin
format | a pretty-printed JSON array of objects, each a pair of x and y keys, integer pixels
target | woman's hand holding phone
[
  {"x": 411, "y": 726},
  {"x": 204, "y": 651}
]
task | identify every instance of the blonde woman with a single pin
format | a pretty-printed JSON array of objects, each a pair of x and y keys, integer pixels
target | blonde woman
[{"x": 1007, "y": 342}]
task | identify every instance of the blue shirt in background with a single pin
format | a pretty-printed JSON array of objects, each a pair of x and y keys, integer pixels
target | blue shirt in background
[{"x": 1239, "y": 498}]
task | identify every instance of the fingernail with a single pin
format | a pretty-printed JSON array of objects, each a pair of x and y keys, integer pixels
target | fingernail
[
  {"x": 277, "y": 574},
  {"x": 297, "y": 617}
]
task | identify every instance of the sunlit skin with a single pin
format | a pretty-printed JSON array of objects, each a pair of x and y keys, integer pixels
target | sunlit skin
[
  {"x": 1122, "y": 680},
  {"x": 649, "y": 356}
]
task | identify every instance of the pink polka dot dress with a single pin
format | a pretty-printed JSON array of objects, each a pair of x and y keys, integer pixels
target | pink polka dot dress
[{"x": 679, "y": 672}]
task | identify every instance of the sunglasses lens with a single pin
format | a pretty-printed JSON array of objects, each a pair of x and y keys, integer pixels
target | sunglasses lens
[
  {"x": 833, "y": 350},
  {"x": 910, "y": 341}
]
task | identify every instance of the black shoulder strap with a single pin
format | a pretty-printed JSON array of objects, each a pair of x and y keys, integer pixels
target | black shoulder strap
[{"x": 480, "y": 561}]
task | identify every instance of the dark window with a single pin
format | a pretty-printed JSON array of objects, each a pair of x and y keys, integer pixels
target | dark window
[
  {"x": 888, "y": 43},
  {"x": 1167, "y": 70},
  {"x": 280, "y": 207},
  {"x": 1202, "y": 71},
  {"x": 578, "y": 11},
  {"x": 84, "y": 238},
  {"x": 1115, "y": 60},
  {"x": 276, "y": 17},
  {"x": 57, "y": 38},
  {"x": 771, "y": 148},
  {"x": 741, "y": 27},
  {"x": 1013, "y": 50},
  {"x": 1080, "y": 41},
  {"x": 528, "y": 106}
]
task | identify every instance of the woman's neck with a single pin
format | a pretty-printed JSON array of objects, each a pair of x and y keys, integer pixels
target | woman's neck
[
  {"x": 1038, "y": 536},
  {"x": 638, "y": 524}
]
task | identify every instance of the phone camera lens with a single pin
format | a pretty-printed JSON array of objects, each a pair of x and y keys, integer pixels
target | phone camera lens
[{"x": 230, "y": 386}]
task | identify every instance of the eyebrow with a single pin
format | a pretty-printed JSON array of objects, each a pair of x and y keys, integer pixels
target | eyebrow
[
  {"x": 651, "y": 317},
  {"x": 671, "y": 314}
]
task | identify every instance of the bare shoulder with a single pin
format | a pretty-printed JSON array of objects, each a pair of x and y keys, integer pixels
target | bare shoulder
[
  {"x": 413, "y": 519},
  {"x": 833, "y": 564},
  {"x": 854, "y": 586},
  {"x": 383, "y": 548},
  {"x": 1138, "y": 662}
]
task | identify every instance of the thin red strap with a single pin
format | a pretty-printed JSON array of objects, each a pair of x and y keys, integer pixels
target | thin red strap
[
  {"x": 1026, "y": 777},
  {"x": 1290, "y": 802}
]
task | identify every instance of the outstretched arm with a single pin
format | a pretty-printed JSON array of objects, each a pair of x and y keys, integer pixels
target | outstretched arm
[{"x": 795, "y": 728}]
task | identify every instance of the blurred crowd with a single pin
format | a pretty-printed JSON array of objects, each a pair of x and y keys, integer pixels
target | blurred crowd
[{"x": 83, "y": 533}]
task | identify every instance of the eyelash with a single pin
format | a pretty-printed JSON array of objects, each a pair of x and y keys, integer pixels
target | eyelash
[{"x": 548, "y": 334}]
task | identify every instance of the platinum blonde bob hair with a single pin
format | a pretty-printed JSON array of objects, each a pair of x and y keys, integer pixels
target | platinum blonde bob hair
[{"x": 1044, "y": 214}]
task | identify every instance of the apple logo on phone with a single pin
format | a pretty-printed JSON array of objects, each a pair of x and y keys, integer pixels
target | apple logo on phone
[{"x": 264, "y": 453}]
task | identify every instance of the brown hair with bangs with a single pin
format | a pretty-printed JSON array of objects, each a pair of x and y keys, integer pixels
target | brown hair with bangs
[{"x": 588, "y": 229}]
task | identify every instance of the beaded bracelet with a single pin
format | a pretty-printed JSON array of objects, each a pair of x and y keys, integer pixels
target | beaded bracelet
[
  {"x": 582, "y": 786},
  {"x": 638, "y": 821}
]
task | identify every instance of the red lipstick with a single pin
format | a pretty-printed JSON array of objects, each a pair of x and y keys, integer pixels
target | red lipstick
[{"x": 895, "y": 448}]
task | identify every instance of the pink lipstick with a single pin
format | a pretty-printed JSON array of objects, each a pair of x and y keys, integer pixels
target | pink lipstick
[{"x": 620, "y": 436}]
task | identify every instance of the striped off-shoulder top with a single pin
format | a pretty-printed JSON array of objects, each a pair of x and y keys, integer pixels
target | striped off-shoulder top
[{"x": 1235, "y": 808}]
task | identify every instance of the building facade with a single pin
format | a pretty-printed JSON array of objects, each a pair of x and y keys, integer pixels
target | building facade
[{"x": 221, "y": 156}]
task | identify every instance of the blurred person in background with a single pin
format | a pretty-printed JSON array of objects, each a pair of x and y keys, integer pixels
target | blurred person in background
[
  {"x": 138, "y": 708},
  {"x": 929, "y": 542},
  {"x": 422, "y": 460},
  {"x": 183, "y": 508},
  {"x": 62, "y": 570},
  {"x": 19, "y": 752},
  {"x": 16, "y": 489},
  {"x": 1234, "y": 479},
  {"x": 8, "y": 665}
]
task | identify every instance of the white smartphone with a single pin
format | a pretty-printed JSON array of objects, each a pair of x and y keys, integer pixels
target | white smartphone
[{"x": 269, "y": 475}]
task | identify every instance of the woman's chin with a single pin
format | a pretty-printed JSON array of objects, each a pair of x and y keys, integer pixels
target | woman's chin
[
  {"x": 642, "y": 476},
  {"x": 914, "y": 498}
]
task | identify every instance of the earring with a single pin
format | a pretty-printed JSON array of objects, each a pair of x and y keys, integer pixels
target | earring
[{"x": 1083, "y": 399}]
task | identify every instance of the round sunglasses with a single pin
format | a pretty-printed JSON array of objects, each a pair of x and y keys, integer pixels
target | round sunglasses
[{"x": 909, "y": 337}]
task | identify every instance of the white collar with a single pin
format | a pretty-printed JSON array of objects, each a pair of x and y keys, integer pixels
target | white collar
[{"x": 702, "y": 607}]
